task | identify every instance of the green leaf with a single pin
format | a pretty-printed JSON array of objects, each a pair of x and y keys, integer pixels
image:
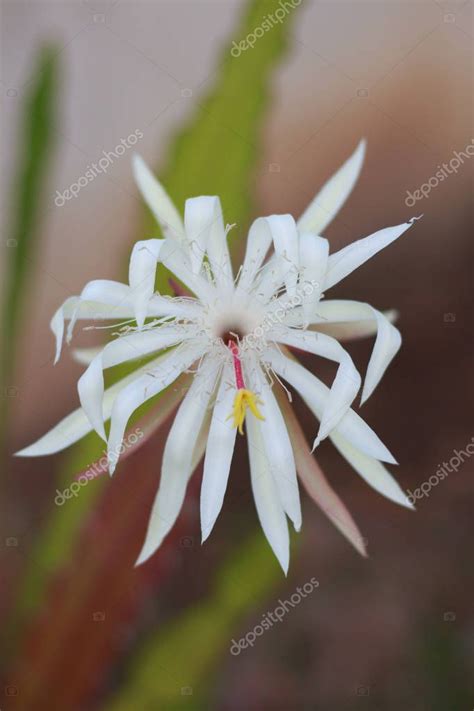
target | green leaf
[{"x": 36, "y": 133}]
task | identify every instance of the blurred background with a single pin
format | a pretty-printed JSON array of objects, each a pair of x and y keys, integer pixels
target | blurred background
[{"x": 264, "y": 127}]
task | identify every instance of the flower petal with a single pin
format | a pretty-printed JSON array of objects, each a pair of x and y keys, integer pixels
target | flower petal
[
  {"x": 276, "y": 441},
  {"x": 313, "y": 259},
  {"x": 106, "y": 291},
  {"x": 220, "y": 448},
  {"x": 315, "y": 395},
  {"x": 198, "y": 215},
  {"x": 158, "y": 200},
  {"x": 145, "y": 387},
  {"x": 76, "y": 425},
  {"x": 177, "y": 261},
  {"x": 346, "y": 260},
  {"x": 271, "y": 279},
  {"x": 142, "y": 274},
  {"x": 57, "y": 323},
  {"x": 285, "y": 241},
  {"x": 206, "y": 233},
  {"x": 329, "y": 200},
  {"x": 316, "y": 483},
  {"x": 387, "y": 343},
  {"x": 349, "y": 331},
  {"x": 76, "y": 307},
  {"x": 85, "y": 356},
  {"x": 188, "y": 309},
  {"x": 371, "y": 470},
  {"x": 346, "y": 383},
  {"x": 178, "y": 459},
  {"x": 135, "y": 345},
  {"x": 267, "y": 501},
  {"x": 258, "y": 243}
]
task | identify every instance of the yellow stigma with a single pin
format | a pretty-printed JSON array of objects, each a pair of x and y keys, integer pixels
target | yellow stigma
[{"x": 245, "y": 399}]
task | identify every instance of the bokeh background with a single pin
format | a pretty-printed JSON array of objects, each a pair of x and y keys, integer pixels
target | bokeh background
[{"x": 82, "y": 629}]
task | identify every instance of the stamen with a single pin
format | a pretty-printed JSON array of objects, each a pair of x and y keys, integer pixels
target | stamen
[{"x": 244, "y": 399}]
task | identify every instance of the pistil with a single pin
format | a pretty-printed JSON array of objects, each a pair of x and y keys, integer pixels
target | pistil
[
  {"x": 239, "y": 377},
  {"x": 244, "y": 399}
]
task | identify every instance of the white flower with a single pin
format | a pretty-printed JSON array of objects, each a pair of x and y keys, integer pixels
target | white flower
[{"x": 235, "y": 336}]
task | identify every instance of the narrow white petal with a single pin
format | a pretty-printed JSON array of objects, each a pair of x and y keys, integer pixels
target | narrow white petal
[
  {"x": 285, "y": 240},
  {"x": 346, "y": 383},
  {"x": 142, "y": 274},
  {"x": 121, "y": 297},
  {"x": 220, "y": 448},
  {"x": 277, "y": 445},
  {"x": 269, "y": 509},
  {"x": 198, "y": 215},
  {"x": 76, "y": 308},
  {"x": 178, "y": 262},
  {"x": 218, "y": 250},
  {"x": 106, "y": 291},
  {"x": 315, "y": 394},
  {"x": 158, "y": 200},
  {"x": 200, "y": 446},
  {"x": 387, "y": 343},
  {"x": 346, "y": 260},
  {"x": 136, "y": 345},
  {"x": 85, "y": 356},
  {"x": 258, "y": 243},
  {"x": 90, "y": 387},
  {"x": 118, "y": 302},
  {"x": 142, "y": 389},
  {"x": 69, "y": 430},
  {"x": 349, "y": 331},
  {"x": 271, "y": 278},
  {"x": 329, "y": 200},
  {"x": 313, "y": 260},
  {"x": 174, "y": 307},
  {"x": 57, "y": 323},
  {"x": 178, "y": 459},
  {"x": 316, "y": 483},
  {"x": 105, "y": 300},
  {"x": 371, "y": 470},
  {"x": 76, "y": 425},
  {"x": 206, "y": 233}
]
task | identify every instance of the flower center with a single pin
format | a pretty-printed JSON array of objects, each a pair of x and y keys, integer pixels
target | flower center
[
  {"x": 233, "y": 323},
  {"x": 233, "y": 335}
]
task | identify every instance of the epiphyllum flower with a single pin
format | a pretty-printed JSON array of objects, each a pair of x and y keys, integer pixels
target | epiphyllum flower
[{"x": 236, "y": 336}]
